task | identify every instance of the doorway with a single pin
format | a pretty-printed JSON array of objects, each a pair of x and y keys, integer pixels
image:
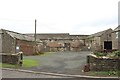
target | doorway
[
  {"x": 67, "y": 46},
  {"x": 108, "y": 45}
]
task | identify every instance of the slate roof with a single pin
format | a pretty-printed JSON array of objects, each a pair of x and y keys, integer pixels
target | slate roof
[
  {"x": 19, "y": 35},
  {"x": 117, "y": 29},
  {"x": 58, "y": 36},
  {"x": 51, "y": 35},
  {"x": 98, "y": 34}
]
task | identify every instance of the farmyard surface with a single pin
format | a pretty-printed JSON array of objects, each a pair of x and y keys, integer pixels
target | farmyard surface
[{"x": 60, "y": 62}]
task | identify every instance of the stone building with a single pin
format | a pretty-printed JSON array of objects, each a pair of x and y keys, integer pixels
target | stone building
[
  {"x": 116, "y": 38},
  {"x": 62, "y": 41},
  {"x": 100, "y": 40},
  {"x": 12, "y": 42}
]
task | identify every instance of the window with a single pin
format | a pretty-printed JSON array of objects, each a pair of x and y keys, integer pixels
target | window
[
  {"x": 116, "y": 35},
  {"x": 109, "y": 35}
]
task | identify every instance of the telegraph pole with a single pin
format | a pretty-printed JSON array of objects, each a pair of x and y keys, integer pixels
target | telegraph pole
[
  {"x": 35, "y": 29},
  {"x": 35, "y": 34}
]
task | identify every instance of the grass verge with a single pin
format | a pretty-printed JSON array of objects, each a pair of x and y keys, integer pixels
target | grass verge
[
  {"x": 30, "y": 63},
  {"x": 46, "y": 54},
  {"x": 27, "y": 63},
  {"x": 103, "y": 73}
]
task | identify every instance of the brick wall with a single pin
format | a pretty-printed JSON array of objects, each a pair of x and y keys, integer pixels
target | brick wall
[{"x": 27, "y": 47}]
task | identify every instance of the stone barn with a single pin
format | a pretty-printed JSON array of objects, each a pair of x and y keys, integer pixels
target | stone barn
[
  {"x": 12, "y": 42},
  {"x": 62, "y": 41},
  {"x": 100, "y": 41},
  {"x": 116, "y": 38},
  {"x": 55, "y": 46}
]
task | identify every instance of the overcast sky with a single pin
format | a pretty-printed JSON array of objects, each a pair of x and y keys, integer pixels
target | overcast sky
[{"x": 59, "y": 16}]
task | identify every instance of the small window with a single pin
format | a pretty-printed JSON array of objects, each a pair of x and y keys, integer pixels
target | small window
[
  {"x": 109, "y": 35},
  {"x": 116, "y": 35}
]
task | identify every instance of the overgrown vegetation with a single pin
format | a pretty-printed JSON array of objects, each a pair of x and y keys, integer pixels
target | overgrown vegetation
[
  {"x": 99, "y": 54},
  {"x": 103, "y": 73},
  {"x": 114, "y": 54}
]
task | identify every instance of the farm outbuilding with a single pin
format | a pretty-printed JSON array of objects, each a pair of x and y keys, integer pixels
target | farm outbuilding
[
  {"x": 62, "y": 41},
  {"x": 116, "y": 38},
  {"x": 13, "y": 42},
  {"x": 100, "y": 41}
]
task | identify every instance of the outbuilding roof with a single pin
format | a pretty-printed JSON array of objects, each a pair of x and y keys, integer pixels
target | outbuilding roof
[
  {"x": 98, "y": 34},
  {"x": 19, "y": 35},
  {"x": 58, "y": 36},
  {"x": 117, "y": 29}
]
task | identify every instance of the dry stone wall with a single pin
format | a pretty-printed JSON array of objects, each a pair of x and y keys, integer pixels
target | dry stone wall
[{"x": 102, "y": 64}]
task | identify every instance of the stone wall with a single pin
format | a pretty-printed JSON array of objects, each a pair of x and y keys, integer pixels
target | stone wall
[
  {"x": 8, "y": 43},
  {"x": 0, "y": 42},
  {"x": 102, "y": 64},
  {"x": 116, "y": 40},
  {"x": 11, "y": 59}
]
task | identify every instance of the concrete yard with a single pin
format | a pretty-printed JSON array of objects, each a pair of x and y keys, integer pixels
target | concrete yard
[{"x": 60, "y": 62}]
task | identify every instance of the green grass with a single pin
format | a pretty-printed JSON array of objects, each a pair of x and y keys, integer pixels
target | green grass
[
  {"x": 30, "y": 63},
  {"x": 102, "y": 73},
  {"x": 27, "y": 63},
  {"x": 7, "y": 65},
  {"x": 46, "y": 54}
]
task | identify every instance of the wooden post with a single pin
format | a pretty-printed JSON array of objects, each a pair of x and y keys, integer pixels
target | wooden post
[{"x": 35, "y": 34}]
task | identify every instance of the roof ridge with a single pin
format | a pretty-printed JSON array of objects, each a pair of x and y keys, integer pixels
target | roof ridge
[
  {"x": 102, "y": 31},
  {"x": 15, "y": 32}
]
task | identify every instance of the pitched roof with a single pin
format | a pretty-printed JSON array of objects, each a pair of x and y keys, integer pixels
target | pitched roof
[
  {"x": 58, "y": 36},
  {"x": 117, "y": 29},
  {"x": 51, "y": 35},
  {"x": 98, "y": 34},
  {"x": 19, "y": 35}
]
